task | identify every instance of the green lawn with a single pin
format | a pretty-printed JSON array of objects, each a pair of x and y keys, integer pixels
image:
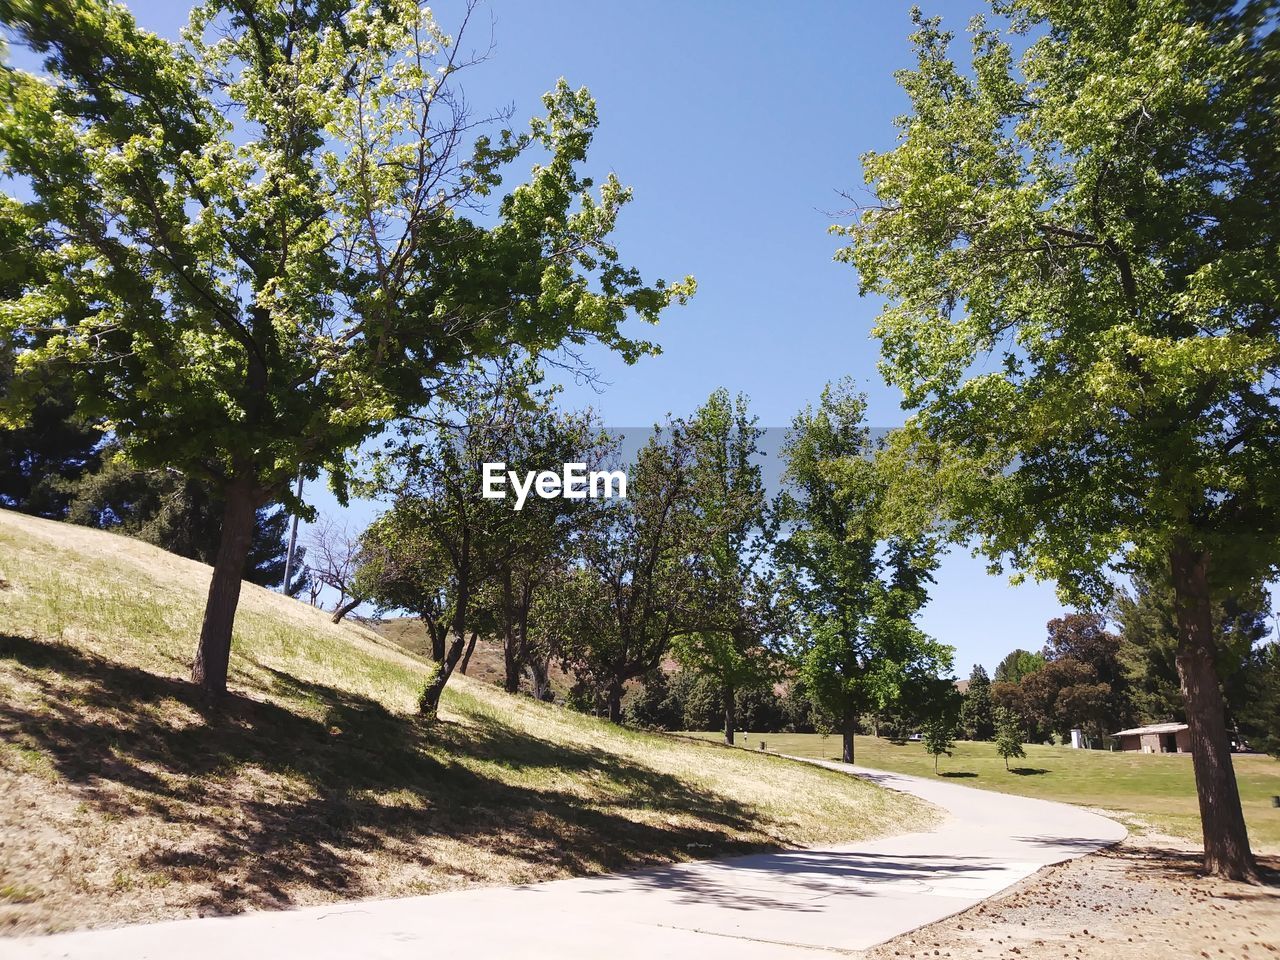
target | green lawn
[{"x": 1158, "y": 788}]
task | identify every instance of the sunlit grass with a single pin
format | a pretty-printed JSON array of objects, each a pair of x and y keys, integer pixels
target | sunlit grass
[
  {"x": 1157, "y": 788},
  {"x": 127, "y": 799}
]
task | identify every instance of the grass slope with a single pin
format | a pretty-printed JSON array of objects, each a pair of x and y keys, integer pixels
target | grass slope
[
  {"x": 1157, "y": 789},
  {"x": 125, "y": 800}
]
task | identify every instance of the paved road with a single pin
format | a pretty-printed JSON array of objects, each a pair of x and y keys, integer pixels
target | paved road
[{"x": 798, "y": 904}]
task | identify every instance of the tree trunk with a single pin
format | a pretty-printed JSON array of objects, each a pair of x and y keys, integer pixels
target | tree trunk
[
  {"x": 540, "y": 671},
  {"x": 730, "y": 714},
  {"x": 466, "y": 657},
  {"x": 437, "y": 632},
  {"x": 850, "y": 728},
  {"x": 615, "y": 702},
  {"x": 213, "y": 654},
  {"x": 1226, "y": 840},
  {"x": 429, "y": 704},
  {"x": 343, "y": 609}
]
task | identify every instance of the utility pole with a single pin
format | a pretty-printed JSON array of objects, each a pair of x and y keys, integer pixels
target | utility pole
[{"x": 293, "y": 541}]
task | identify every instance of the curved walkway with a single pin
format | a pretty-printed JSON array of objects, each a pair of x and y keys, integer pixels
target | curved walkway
[{"x": 795, "y": 904}]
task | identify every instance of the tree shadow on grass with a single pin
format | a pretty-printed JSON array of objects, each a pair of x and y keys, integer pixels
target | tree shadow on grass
[
  {"x": 282, "y": 801},
  {"x": 1028, "y": 771},
  {"x": 957, "y": 774}
]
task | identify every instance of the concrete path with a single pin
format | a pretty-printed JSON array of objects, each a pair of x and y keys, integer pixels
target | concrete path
[{"x": 799, "y": 904}]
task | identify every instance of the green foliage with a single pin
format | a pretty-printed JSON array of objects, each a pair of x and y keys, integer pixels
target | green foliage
[
  {"x": 627, "y": 594},
  {"x": 937, "y": 739},
  {"x": 1017, "y": 664},
  {"x": 41, "y": 460},
  {"x": 236, "y": 239},
  {"x": 856, "y": 583},
  {"x": 459, "y": 560},
  {"x": 1094, "y": 218},
  {"x": 976, "y": 719},
  {"x": 737, "y": 622},
  {"x": 1008, "y": 736}
]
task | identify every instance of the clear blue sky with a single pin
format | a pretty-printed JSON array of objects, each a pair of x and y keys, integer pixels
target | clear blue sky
[{"x": 738, "y": 124}]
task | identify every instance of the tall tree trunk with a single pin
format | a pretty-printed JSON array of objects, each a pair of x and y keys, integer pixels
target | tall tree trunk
[
  {"x": 849, "y": 728},
  {"x": 213, "y": 654},
  {"x": 730, "y": 713},
  {"x": 466, "y": 657},
  {"x": 342, "y": 609},
  {"x": 1226, "y": 839}
]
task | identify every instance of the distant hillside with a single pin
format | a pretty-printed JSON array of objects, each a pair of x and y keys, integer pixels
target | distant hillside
[
  {"x": 486, "y": 665},
  {"x": 125, "y": 798}
]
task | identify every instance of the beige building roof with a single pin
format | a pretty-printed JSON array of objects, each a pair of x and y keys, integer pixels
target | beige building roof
[{"x": 1154, "y": 728}]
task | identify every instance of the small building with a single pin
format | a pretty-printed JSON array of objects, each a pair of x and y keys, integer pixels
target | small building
[{"x": 1157, "y": 738}]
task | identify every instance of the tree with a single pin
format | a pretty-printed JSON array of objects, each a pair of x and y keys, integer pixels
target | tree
[
  {"x": 937, "y": 740},
  {"x": 1147, "y": 616},
  {"x": 253, "y": 246},
  {"x": 1017, "y": 664},
  {"x": 1084, "y": 638},
  {"x": 1072, "y": 245},
  {"x": 1066, "y": 694},
  {"x": 539, "y": 539},
  {"x": 857, "y": 584},
  {"x": 976, "y": 720},
  {"x": 1008, "y": 736},
  {"x": 335, "y": 559},
  {"x": 733, "y": 588},
  {"x": 1259, "y": 712},
  {"x": 627, "y": 595},
  {"x": 656, "y": 706},
  {"x": 42, "y": 460},
  {"x": 443, "y": 542}
]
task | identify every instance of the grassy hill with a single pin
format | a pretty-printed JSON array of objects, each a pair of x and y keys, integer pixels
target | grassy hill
[
  {"x": 1156, "y": 790},
  {"x": 125, "y": 799}
]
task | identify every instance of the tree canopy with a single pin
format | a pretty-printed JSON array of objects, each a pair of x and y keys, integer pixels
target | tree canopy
[
  {"x": 1075, "y": 246},
  {"x": 256, "y": 245}
]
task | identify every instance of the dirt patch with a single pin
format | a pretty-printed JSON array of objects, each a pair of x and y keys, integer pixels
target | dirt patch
[{"x": 1142, "y": 900}]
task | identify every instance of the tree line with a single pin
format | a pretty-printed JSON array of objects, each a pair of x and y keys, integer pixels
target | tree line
[
  {"x": 1099, "y": 681},
  {"x": 698, "y": 565}
]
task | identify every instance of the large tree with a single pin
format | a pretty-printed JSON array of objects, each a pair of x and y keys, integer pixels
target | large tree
[
  {"x": 253, "y": 244},
  {"x": 442, "y": 543},
  {"x": 1075, "y": 241},
  {"x": 736, "y": 616},
  {"x": 976, "y": 719},
  {"x": 856, "y": 582},
  {"x": 628, "y": 593}
]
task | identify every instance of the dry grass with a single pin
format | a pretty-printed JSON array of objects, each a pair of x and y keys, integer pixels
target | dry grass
[{"x": 126, "y": 799}]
